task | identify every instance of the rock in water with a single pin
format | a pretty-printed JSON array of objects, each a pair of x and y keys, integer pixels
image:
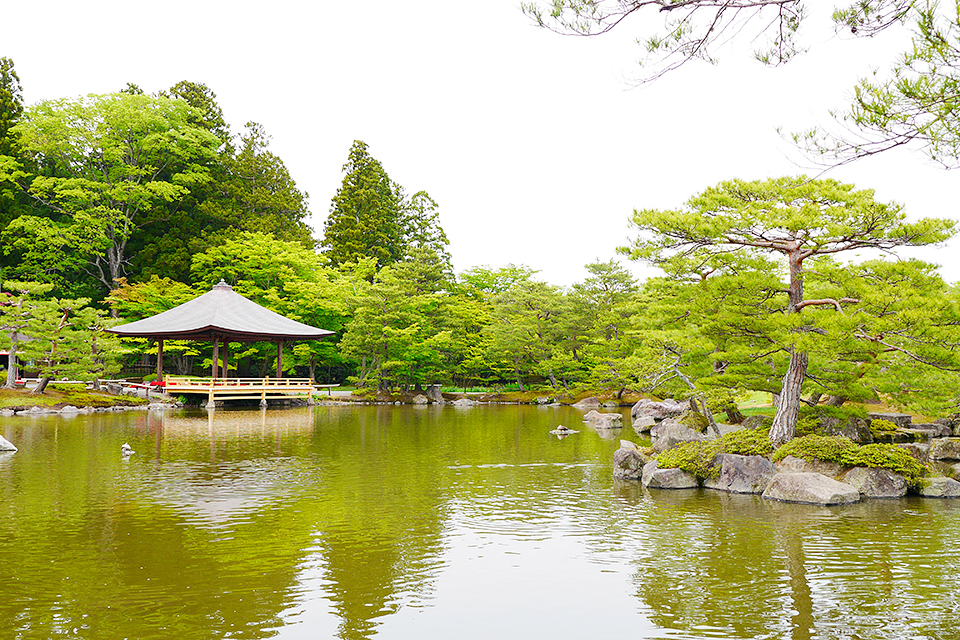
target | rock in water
[
  {"x": 741, "y": 474},
  {"x": 811, "y": 488},
  {"x": 126, "y": 450},
  {"x": 652, "y": 477},
  {"x": 561, "y": 430},
  {"x": 876, "y": 483},
  {"x": 6, "y": 445},
  {"x": 628, "y": 461},
  {"x": 939, "y": 487}
]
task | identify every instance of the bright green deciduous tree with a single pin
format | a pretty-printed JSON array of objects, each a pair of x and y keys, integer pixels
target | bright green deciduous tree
[
  {"x": 135, "y": 301},
  {"x": 115, "y": 160},
  {"x": 407, "y": 328},
  {"x": 288, "y": 278},
  {"x": 798, "y": 221},
  {"x": 366, "y": 214}
]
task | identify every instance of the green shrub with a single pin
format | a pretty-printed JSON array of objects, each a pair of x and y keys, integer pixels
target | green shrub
[
  {"x": 808, "y": 426},
  {"x": 692, "y": 457},
  {"x": 815, "y": 447},
  {"x": 888, "y": 456},
  {"x": 747, "y": 442},
  {"x": 68, "y": 388},
  {"x": 880, "y": 428},
  {"x": 847, "y": 453},
  {"x": 697, "y": 457}
]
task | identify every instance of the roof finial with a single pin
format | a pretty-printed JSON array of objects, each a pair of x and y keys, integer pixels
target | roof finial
[{"x": 222, "y": 285}]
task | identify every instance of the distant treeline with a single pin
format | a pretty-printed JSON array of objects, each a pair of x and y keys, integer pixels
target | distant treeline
[{"x": 132, "y": 203}]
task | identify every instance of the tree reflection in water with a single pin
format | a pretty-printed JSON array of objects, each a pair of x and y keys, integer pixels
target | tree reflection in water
[{"x": 358, "y": 522}]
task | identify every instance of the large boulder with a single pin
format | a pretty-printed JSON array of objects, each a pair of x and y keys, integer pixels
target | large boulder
[
  {"x": 464, "y": 402},
  {"x": 876, "y": 483},
  {"x": 6, "y": 445},
  {"x": 433, "y": 393},
  {"x": 952, "y": 423},
  {"x": 756, "y": 422},
  {"x": 932, "y": 430},
  {"x": 793, "y": 464},
  {"x": 694, "y": 420},
  {"x": 741, "y": 474},
  {"x": 945, "y": 449},
  {"x": 643, "y": 424},
  {"x": 628, "y": 461},
  {"x": 810, "y": 488},
  {"x": 954, "y": 471},
  {"x": 604, "y": 420},
  {"x": 903, "y": 420},
  {"x": 658, "y": 410},
  {"x": 420, "y": 399},
  {"x": 588, "y": 403},
  {"x": 919, "y": 450},
  {"x": 852, "y": 428},
  {"x": 655, "y": 478},
  {"x": 940, "y": 487},
  {"x": 668, "y": 435}
]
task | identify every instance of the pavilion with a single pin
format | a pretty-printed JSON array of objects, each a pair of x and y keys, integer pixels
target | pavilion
[{"x": 220, "y": 316}]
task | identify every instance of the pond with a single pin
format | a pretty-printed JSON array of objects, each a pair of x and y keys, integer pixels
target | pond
[{"x": 431, "y": 522}]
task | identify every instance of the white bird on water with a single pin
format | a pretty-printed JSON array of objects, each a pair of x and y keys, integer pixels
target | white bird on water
[{"x": 126, "y": 450}]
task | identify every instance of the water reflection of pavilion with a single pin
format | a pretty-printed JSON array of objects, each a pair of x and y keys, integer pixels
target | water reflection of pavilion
[{"x": 237, "y": 424}]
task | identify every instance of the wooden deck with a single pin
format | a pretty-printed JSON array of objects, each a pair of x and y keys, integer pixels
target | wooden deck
[{"x": 262, "y": 389}]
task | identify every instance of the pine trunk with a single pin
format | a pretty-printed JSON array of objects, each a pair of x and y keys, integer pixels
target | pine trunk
[
  {"x": 13, "y": 369},
  {"x": 733, "y": 414},
  {"x": 785, "y": 419},
  {"x": 41, "y": 386}
]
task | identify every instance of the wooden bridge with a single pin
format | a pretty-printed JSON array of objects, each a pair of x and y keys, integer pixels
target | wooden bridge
[{"x": 262, "y": 389}]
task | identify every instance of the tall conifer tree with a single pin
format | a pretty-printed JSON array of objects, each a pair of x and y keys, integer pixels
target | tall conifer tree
[
  {"x": 365, "y": 215},
  {"x": 11, "y": 104}
]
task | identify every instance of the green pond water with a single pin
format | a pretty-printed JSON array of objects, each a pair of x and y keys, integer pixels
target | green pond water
[{"x": 431, "y": 522}]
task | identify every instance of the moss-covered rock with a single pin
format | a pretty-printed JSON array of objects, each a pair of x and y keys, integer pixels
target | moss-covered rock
[
  {"x": 757, "y": 422},
  {"x": 847, "y": 453},
  {"x": 696, "y": 421},
  {"x": 698, "y": 457}
]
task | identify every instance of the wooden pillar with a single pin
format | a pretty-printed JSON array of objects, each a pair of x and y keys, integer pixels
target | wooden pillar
[
  {"x": 216, "y": 358},
  {"x": 279, "y": 358},
  {"x": 160, "y": 360},
  {"x": 226, "y": 360}
]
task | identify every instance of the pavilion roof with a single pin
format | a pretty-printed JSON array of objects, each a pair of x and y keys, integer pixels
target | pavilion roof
[{"x": 221, "y": 314}]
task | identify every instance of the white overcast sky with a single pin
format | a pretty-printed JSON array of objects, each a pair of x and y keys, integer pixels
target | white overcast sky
[{"x": 533, "y": 144}]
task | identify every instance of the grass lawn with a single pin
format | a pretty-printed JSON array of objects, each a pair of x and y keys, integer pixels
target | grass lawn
[{"x": 54, "y": 397}]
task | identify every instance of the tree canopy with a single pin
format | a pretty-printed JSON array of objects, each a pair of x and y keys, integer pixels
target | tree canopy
[
  {"x": 114, "y": 161},
  {"x": 765, "y": 235}
]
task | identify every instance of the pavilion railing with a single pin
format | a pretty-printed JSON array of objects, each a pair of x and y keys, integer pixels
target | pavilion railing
[
  {"x": 199, "y": 381},
  {"x": 262, "y": 389}
]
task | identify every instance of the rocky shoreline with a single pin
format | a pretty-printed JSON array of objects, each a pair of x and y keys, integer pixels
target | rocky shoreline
[{"x": 792, "y": 478}]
